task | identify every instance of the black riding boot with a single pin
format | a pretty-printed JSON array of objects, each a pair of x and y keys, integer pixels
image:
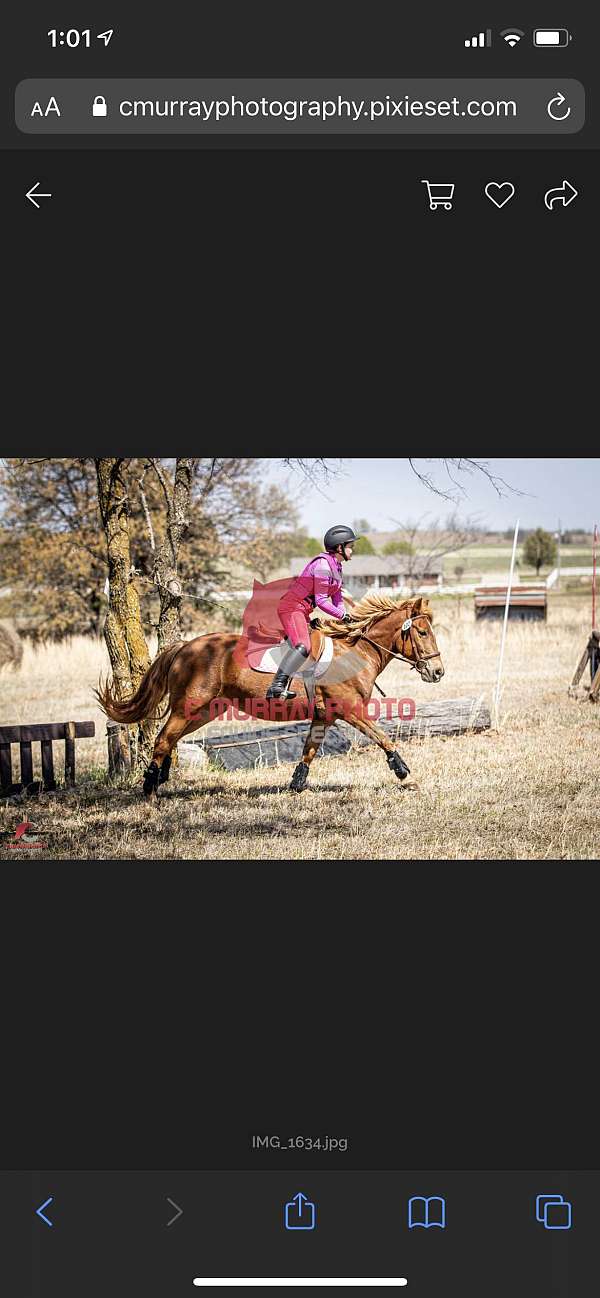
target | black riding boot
[{"x": 291, "y": 661}]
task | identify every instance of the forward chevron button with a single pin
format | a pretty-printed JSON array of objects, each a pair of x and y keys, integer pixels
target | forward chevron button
[{"x": 178, "y": 1213}]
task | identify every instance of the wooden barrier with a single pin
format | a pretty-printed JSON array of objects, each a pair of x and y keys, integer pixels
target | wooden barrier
[
  {"x": 271, "y": 745},
  {"x": 527, "y": 603},
  {"x": 25, "y": 736},
  {"x": 590, "y": 654}
]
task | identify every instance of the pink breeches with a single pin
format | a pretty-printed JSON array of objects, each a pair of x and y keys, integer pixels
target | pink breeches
[{"x": 295, "y": 625}]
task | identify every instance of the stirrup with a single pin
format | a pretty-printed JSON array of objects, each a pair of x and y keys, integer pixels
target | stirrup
[{"x": 278, "y": 689}]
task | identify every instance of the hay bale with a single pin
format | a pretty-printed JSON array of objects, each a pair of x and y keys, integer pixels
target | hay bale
[{"x": 11, "y": 646}]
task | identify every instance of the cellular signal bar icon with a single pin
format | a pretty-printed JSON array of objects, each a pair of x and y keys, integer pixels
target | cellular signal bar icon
[{"x": 479, "y": 41}]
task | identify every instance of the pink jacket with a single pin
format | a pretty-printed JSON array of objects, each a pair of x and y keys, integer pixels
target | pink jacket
[{"x": 318, "y": 586}]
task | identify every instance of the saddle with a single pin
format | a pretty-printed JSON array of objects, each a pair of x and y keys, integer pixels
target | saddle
[{"x": 317, "y": 639}]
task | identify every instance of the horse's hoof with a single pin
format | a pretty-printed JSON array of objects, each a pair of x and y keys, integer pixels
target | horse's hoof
[
  {"x": 396, "y": 765},
  {"x": 151, "y": 780},
  {"x": 299, "y": 778}
]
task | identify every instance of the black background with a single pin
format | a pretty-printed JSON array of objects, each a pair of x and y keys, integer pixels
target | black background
[{"x": 272, "y": 302}]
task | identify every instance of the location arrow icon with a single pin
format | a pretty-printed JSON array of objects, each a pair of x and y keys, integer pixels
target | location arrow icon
[
  {"x": 39, "y": 1212},
  {"x": 178, "y": 1214}
]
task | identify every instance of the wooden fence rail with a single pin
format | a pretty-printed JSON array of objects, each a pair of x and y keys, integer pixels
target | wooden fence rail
[{"x": 25, "y": 736}]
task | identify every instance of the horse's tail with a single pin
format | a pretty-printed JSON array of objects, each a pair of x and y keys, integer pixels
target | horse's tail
[{"x": 150, "y": 692}]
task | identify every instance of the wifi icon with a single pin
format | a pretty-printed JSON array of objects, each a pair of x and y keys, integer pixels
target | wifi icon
[{"x": 512, "y": 35}]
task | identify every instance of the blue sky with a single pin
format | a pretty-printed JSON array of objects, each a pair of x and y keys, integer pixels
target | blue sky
[{"x": 382, "y": 490}]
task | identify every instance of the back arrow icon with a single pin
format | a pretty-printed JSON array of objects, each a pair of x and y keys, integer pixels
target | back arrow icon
[
  {"x": 563, "y": 195},
  {"x": 178, "y": 1214},
  {"x": 33, "y": 195},
  {"x": 39, "y": 1212}
]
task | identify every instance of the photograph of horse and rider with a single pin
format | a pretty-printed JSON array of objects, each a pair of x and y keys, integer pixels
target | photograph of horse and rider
[{"x": 180, "y": 636}]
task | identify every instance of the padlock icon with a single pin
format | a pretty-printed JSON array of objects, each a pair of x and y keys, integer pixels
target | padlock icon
[{"x": 99, "y": 108}]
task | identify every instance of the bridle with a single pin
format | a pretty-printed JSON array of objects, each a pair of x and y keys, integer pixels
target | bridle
[{"x": 405, "y": 629}]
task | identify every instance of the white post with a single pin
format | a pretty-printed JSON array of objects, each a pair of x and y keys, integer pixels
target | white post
[{"x": 506, "y": 608}]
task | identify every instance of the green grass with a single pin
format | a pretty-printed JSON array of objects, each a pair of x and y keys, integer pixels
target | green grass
[{"x": 484, "y": 559}]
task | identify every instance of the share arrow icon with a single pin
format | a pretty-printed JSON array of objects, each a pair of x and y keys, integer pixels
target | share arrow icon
[
  {"x": 300, "y": 1213},
  {"x": 561, "y": 196}
]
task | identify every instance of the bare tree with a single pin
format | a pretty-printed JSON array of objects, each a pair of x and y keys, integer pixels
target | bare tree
[
  {"x": 178, "y": 497},
  {"x": 320, "y": 470},
  {"x": 123, "y": 632},
  {"x": 426, "y": 546},
  {"x": 464, "y": 466}
]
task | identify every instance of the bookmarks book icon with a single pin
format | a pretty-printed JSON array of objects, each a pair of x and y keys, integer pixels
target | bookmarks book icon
[{"x": 426, "y": 1212}]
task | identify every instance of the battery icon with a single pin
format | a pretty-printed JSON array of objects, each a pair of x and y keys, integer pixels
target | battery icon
[{"x": 550, "y": 38}]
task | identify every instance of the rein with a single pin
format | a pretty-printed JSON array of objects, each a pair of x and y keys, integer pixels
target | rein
[{"x": 419, "y": 658}]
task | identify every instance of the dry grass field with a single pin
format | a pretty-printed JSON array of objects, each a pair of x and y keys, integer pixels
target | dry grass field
[{"x": 527, "y": 791}]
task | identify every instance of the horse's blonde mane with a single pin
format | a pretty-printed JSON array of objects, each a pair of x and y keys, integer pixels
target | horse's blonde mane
[{"x": 372, "y": 607}]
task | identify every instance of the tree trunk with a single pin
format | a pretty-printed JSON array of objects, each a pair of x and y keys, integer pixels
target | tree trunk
[
  {"x": 123, "y": 631},
  {"x": 165, "y": 569}
]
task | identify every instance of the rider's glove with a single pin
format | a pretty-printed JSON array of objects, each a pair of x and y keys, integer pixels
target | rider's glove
[{"x": 347, "y": 618}]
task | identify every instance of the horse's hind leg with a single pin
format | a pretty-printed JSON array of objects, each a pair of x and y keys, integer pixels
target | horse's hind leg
[
  {"x": 173, "y": 730},
  {"x": 314, "y": 739}
]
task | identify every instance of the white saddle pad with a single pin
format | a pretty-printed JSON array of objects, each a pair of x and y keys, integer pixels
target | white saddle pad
[{"x": 272, "y": 657}]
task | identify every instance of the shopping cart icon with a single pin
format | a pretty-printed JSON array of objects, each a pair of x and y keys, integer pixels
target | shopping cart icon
[{"x": 439, "y": 195}]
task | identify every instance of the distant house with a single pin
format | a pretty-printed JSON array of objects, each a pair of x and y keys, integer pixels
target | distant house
[{"x": 367, "y": 572}]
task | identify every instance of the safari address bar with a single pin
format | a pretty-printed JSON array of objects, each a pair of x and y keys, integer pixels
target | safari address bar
[{"x": 300, "y": 106}]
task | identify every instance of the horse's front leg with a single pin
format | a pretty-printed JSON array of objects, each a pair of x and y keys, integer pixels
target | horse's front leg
[
  {"x": 314, "y": 739},
  {"x": 395, "y": 762}
]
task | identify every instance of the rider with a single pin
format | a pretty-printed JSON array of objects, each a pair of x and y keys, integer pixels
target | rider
[{"x": 318, "y": 586}]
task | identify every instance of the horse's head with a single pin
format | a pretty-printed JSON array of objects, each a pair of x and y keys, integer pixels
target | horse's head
[{"x": 415, "y": 640}]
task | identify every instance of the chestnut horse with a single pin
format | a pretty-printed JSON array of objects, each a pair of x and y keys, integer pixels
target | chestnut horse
[{"x": 195, "y": 672}]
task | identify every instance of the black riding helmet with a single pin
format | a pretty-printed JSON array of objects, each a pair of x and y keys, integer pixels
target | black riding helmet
[{"x": 339, "y": 535}]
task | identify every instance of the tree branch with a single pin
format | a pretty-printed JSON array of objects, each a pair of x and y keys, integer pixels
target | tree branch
[
  {"x": 145, "y": 507},
  {"x": 463, "y": 465}
]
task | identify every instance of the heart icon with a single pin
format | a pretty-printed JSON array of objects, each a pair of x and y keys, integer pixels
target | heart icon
[{"x": 499, "y": 194}]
